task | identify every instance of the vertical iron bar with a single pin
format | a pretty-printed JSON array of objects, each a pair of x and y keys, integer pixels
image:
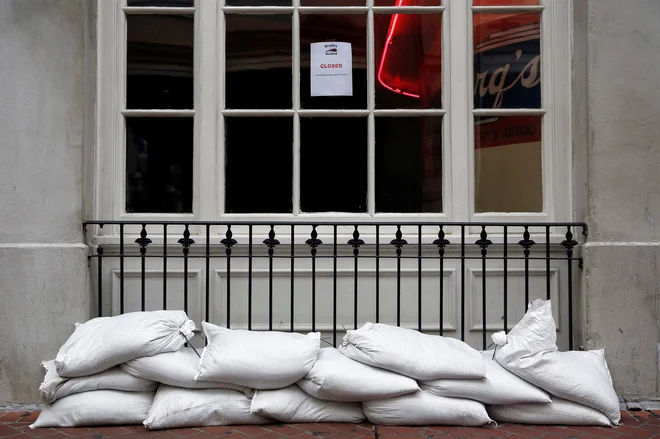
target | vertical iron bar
[
  {"x": 186, "y": 242},
  {"x": 463, "y": 282},
  {"x": 506, "y": 263},
  {"x": 143, "y": 241},
  {"x": 121, "y": 268},
  {"x": 229, "y": 242},
  {"x": 314, "y": 242},
  {"x": 164, "y": 266},
  {"x": 334, "y": 287},
  {"x": 355, "y": 291},
  {"x": 250, "y": 277},
  {"x": 441, "y": 242},
  {"x": 419, "y": 278},
  {"x": 99, "y": 252},
  {"x": 569, "y": 243},
  {"x": 526, "y": 244},
  {"x": 207, "y": 293},
  {"x": 483, "y": 242},
  {"x": 377, "y": 273},
  {"x": 547, "y": 262},
  {"x": 355, "y": 242},
  {"x": 293, "y": 258},
  {"x": 398, "y": 242},
  {"x": 271, "y": 242}
]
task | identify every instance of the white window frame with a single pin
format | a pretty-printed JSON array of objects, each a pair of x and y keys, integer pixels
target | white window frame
[{"x": 458, "y": 114}]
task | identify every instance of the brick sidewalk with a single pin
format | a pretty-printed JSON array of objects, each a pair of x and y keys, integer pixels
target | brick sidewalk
[{"x": 636, "y": 425}]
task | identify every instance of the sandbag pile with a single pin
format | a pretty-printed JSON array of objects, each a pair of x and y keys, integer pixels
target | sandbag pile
[{"x": 134, "y": 368}]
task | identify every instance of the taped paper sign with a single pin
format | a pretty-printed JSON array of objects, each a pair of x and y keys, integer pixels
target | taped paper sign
[{"x": 331, "y": 69}]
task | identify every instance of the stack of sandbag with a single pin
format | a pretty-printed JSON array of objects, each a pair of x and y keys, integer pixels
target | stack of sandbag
[
  {"x": 421, "y": 357},
  {"x": 247, "y": 368},
  {"x": 84, "y": 386},
  {"x": 579, "y": 382}
]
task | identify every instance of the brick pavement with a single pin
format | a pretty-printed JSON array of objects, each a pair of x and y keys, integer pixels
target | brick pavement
[{"x": 635, "y": 425}]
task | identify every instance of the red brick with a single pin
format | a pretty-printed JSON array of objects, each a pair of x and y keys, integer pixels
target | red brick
[
  {"x": 12, "y": 416},
  {"x": 269, "y": 435},
  {"x": 287, "y": 430},
  {"x": 7, "y": 430},
  {"x": 520, "y": 430},
  {"x": 384, "y": 430},
  {"x": 251, "y": 430}
]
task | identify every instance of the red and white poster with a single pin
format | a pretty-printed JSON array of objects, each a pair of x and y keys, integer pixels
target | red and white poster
[{"x": 331, "y": 69}]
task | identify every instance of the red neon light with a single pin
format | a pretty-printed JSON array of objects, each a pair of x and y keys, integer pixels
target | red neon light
[{"x": 388, "y": 41}]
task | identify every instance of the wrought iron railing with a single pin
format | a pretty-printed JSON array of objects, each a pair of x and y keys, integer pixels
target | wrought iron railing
[{"x": 427, "y": 248}]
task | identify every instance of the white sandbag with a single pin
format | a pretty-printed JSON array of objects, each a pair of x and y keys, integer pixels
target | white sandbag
[
  {"x": 336, "y": 377},
  {"x": 530, "y": 352},
  {"x": 499, "y": 387},
  {"x": 560, "y": 412},
  {"x": 254, "y": 359},
  {"x": 411, "y": 353},
  {"x": 104, "y": 342},
  {"x": 423, "y": 408},
  {"x": 55, "y": 387},
  {"x": 176, "y": 369},
  {"x": 100, "y": 407},
  {"x": 291, "y": 404},
  {"x": 175, "y": 407}
]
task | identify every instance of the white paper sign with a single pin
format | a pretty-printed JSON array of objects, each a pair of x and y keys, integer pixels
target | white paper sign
[{"x": 331, "y": 69}]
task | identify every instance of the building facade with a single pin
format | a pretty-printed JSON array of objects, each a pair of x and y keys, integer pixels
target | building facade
[{"x": 457, "y": 111}]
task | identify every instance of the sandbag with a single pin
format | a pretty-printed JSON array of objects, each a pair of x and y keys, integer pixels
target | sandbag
[
  {"x": 176, "y": 369},
  {"x": 336, "y": 377},
  {"x": 560, "y": 412},
  {"x": 411, "y": 353},
  {"x": 258, "y": 360},
  {"x": 423, "y": 408},
  {"x": 530, "y": 352},
  {"x": 100, "y": 407},
  {"x": 291, "y": 404},
  {"x": 105, "y": 342},
  {"x": 499, "y": 387},
  {"x": 175, "y": 407},
  {"x": 55, "y": 387}
]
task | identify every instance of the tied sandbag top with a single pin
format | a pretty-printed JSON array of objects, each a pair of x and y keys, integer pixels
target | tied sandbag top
[
  {"x": 530, "y": 352},
  {"x": 413, "y": 354},
  {"x": 254, "y": 359},
  {"x": 105, "y": 342}
]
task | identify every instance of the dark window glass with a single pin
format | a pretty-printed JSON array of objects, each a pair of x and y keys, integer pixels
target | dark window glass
[
  {"x": 259, "y": 3},
  {"x": 159, "y": 165},
  {"x": 333, "y": 164},
  {"x": 409, "y": 164},
  {"x": 259, "y": 164},
  {"x": 408, "y": 3},
  {"x": 507, "y": 60},
  {"x": 164, "y": 3},
  {"x": 508, "y": 164},
  {"x": 258, "y": 54},
  {"x": 333, "y": 3},
  {"x": 328, "y": 28},
  {"x": 159, "y": 62}
]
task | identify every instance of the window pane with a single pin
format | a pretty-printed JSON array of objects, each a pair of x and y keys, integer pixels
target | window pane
[
  {"x": 159, "y": 62},
  {"x": 508, "y": 164},
  {"x": 166, "y": 3},
  {"x": 507, "y": 61},
  {"x": 159, "y": 165},
  {"x": 333, "y": 3},
  {"x": 409, "y": 164},
  {"x": 258, "y": 69},
  {"x": 259, "y": 164},
  {"x": 407, "y": 2},
  {"x": 259, "y": 3},
  {"x": 333, "y": 164},
  {"x": 334, "y": 28},
  {"x": 408, "y": 49},
  {"x": 505, "y": 2}
]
